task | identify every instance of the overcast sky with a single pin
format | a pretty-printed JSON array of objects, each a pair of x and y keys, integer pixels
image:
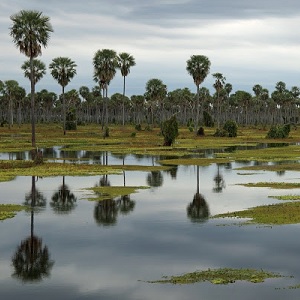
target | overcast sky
[{"x": 249, "y": 42}]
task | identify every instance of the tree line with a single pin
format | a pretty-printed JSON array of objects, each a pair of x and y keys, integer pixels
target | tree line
[{"x": 30, "y": 31}]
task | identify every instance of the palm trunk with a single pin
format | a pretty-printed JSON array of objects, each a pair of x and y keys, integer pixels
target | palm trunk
[
  {"x": 32, "y": 85},
  {"x": 64, "y": 110},
  {"x": 197, "y": 110},
  {"x": 106, "y": 107},
  {"x": 123, "y": 108}
]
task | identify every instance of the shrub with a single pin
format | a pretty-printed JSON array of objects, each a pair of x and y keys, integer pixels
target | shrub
[
  {"x": 220, "y": 133},
  {"x": 106, "y": 132},
  {"x": 169, "y": 130},
  {"x": 3, "y": 122},
  {"x": 279, "y": 132},
  {"x": 138, "y": 127},
  {"x": 133, "y": 134},
  {"x": 200, "y": 131},
  {"x": 231, "y": 128}
]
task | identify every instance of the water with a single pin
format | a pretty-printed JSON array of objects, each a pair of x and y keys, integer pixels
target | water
[{"x": 97, "y": 251}]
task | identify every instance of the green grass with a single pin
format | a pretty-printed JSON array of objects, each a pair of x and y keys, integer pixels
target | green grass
[
  {"x": 12, "y": 168},
  {"x": 110, "y": 192},
  {"x": 286, "y": 197},
  {"x": 8, "y": 211},
  {"x": 219, "y": 276},
  {"x": 150, "y": 143},
  {"x": 273, "y": 185},
  {"x": 274, "y": 214}
]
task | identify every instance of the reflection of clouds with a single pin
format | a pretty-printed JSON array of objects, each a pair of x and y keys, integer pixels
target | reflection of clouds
[
  {"x": 188, "y": 250},
  {"x": 157, "y": 239}
]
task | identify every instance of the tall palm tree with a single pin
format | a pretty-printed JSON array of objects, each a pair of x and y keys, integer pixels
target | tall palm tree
[
  {"x": 218, "y": 85},
  {"x": 63, "y": 69},
  {"x": 105, "y": 64},
  {"x": 30, "y": 31},
  {"x": 125, "y": 62},
  {"x": 198, "y": 67}
]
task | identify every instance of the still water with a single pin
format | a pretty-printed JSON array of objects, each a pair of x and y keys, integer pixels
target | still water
[{"x": 92, "y": 250}]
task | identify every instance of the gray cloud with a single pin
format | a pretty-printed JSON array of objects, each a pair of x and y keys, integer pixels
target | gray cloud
[{"x": 249, "y": 42}]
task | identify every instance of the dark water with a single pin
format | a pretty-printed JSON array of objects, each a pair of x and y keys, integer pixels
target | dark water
[{"x": 93, "y": 250}]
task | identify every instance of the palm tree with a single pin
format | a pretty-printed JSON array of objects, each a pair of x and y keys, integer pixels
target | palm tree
[
  {"x": 198, "y": 67},
  {"x": 105, "y": 64},
  {"x": 63, "y": 70},
  {"x": 30, "y": 31},
  {"x": 156, "y": 92},
  {"x": 125, "y": 62},
  {"x": 218, "y": 85},
  {"x": 38, "y": 70}
]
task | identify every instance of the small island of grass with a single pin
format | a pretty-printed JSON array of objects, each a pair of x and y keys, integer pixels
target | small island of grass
[
  {"x": 219, "y": 276},
  {"x": 274, "y": 214},
  {"x": 8, "y": 211}
]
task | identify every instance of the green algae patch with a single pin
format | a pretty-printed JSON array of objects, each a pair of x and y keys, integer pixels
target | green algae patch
[
  {"x": 59, "y": 169},
  {"x": 287, "y": 197},
  {"x": 273, "y": 185},
  {"x": 220, "y": 276},
  {"x": 193, "y": 161},
  {"x": 295, "y": 166},
  {"x": 274, "y": 214},
  {"x": 8, "y": 211},
  {"x": 110, "y": 192},
  {"x": 4, "y": 178},
  {"x": 10, "y": 169}
]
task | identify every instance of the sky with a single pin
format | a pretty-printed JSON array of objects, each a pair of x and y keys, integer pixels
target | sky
[{"x": 249, "y": 42}]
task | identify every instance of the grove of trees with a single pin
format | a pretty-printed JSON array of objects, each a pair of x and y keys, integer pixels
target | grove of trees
[{"x": 30, "y": 31}]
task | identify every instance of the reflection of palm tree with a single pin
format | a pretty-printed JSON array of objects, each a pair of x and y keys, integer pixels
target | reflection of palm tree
[
  {"x": 172, "y": 172},
  {"x": 63, "y": 201},
  {"x": 35, "y": 198},
  {"x": 155, "y": 179},
  {"x": 198, "y": 210},
  {"x": 219, "y": 182},
  {"x": 104, "y": 181},
  {"x": 106, "y": 212},
  {"x": 31, "y": 260},
  {"x": 125, "y": 204}
]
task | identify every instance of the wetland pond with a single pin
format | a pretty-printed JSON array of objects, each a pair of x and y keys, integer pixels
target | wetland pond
[{"x": 71, "y": 247}]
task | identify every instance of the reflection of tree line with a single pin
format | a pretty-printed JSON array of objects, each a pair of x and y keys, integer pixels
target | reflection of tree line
[
  {"x": 106, "y": 211},
  {"x": 32, "y": 262}
]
